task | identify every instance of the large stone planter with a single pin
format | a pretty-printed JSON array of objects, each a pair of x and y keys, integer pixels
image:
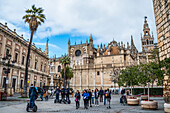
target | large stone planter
[
  {"x": 167, "y": 107},
  {"x": 149, "y": 105},
  {"x": 144, "y": 97},
  {"x": 133, "y": 102}
]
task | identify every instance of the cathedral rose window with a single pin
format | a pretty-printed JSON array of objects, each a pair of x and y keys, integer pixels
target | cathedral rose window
[{"x": 78, "y": 52}]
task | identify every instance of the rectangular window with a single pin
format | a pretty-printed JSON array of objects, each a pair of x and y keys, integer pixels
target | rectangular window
[
  {"x": 35, "y": 65},
  {"x": 98, "y": 73},
  {"x": 41, "y": 67},
  {"x": 7, "y": 52},
  {"x": 4, "y": 82},
  {"x": 21, "y": 84},
  {"x": 40, "y": 84},
  {"x": 16, "y": 57},
  {"x": 34, "y": 83},
  {"x": 23, "y": 59},
  {"x": 44, "y": 68}
]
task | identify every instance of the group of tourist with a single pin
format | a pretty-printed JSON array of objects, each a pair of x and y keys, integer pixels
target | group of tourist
[
  {"x": 92, "y": 97},
  {"x": 89, "y": 96}
]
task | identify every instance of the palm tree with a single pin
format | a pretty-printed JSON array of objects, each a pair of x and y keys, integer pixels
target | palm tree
[
  {"x": 34, "y": 17},
  {"x": 64, "y": 61}
]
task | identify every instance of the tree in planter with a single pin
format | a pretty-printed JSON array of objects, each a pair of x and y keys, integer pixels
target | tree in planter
[
  {"x": 34, "y": 17},
  {"x": 142, "y": 77},
  {"x": 68, "y": 73},
  {"x": 64, "y": 61},
  {"x": 152, "y": 72},
  {"x": 128, "y": 77}
]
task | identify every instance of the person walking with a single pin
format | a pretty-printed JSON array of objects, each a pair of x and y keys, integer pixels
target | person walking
[
  {"x": 108, "y": 97},
  {"x": 85, "y": 98},
  {"x": 77, "y": 99},
  {"x": 96, "y": 94},
  {"x": 101, "y": 92},
  {"x": 63, "y": 94},
  {"x": 33, "y": 94},
  {"x": 92, "y": 96}
]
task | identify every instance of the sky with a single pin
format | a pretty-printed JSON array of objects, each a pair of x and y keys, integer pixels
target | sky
[{"x": 104, "y": 19}]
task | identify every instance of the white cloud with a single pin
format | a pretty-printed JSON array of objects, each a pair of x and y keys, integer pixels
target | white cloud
[
  {"x": 118, "y": 19},
  {"x": 44, "y": 44}
]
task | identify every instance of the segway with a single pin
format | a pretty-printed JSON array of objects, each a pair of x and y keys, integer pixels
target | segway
[{"x": 34, "y": 109}]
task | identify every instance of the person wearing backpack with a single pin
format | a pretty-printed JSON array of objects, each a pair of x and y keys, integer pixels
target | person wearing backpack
[
  {"x": 33, "y": 94},
  {"x": 108, "y": 97}
]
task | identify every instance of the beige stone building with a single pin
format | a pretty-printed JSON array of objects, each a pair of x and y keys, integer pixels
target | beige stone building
[
  {"x": 162, "y": 19},
  {"x": 99, "y": 67},
  {"x": 15, "y": 45}
]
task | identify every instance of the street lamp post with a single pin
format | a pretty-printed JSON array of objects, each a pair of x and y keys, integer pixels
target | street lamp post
[{"x": 8, "y": 57}]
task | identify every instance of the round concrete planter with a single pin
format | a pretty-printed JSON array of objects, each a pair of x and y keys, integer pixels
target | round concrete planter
[
  {"x": 167, "y": 107},
  {"x": 144, "y": 97},
  {"x": 133, "y": 102},
  {"x": 149, "y": 105}
]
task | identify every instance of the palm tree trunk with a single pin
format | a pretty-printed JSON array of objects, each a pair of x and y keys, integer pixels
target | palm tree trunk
[
  {"x": 26, "y": 67},
  {"x": 144, "y": 89}
]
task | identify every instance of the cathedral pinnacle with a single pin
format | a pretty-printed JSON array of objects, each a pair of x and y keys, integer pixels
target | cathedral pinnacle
[{"x": 46, "y": 48}]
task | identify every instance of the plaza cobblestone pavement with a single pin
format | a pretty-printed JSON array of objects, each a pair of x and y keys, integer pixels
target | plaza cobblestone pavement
[{"x": 19, "y": 106}]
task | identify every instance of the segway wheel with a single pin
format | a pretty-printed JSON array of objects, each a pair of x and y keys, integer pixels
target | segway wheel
[
  {"x": 55, "y": 101},
  {"x": 35, "y": 108},
  {"x": 69, "y": 102},
  {"x": 59, "y": 101},
  {"x": 27, "y": 109}
]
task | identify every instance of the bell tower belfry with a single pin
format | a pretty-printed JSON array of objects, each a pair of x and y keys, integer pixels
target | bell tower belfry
[{"x": 147, "y": 40}]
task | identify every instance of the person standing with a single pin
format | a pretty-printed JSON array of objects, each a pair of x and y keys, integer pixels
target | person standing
[
  {"x": 33, "y": 94},
  {"x": 101, "y": 92},
  {"x": 85, "y": 98},
  {"x": 77, "y": 99},
  {"x": 57, "y": 94},
  {"x": 67, "y": 95},
  {"x": 105, "y": 97},
  {"x": 92, "y": 96},
  {"x": 96, "y": 94},
  {"x": 63, "y": 94},
  {"x": 108, "y": 97}
]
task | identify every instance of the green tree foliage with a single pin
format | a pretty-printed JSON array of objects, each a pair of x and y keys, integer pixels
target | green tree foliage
[{"x": 68, "y": 74}]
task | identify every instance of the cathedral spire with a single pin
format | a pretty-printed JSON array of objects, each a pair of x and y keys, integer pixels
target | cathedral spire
[
  {"x": 69, "y": 41},
  {"x": 91, "y": 38},
  {"x": 131, "y": 40},
  {"x": 46, "y": 48}
]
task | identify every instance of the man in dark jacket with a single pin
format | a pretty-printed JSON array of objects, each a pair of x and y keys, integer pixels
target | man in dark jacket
[
  {"x": 108, "y": 97},
  {"x": 63, "y": 94},
  {"x": 90, "y": 97},
  {"x": 67, "y": 95},
  {"x": 101, "y": 92},
  {"x": 57, "y": 94},
  {"x": 32, "y": 95}
]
